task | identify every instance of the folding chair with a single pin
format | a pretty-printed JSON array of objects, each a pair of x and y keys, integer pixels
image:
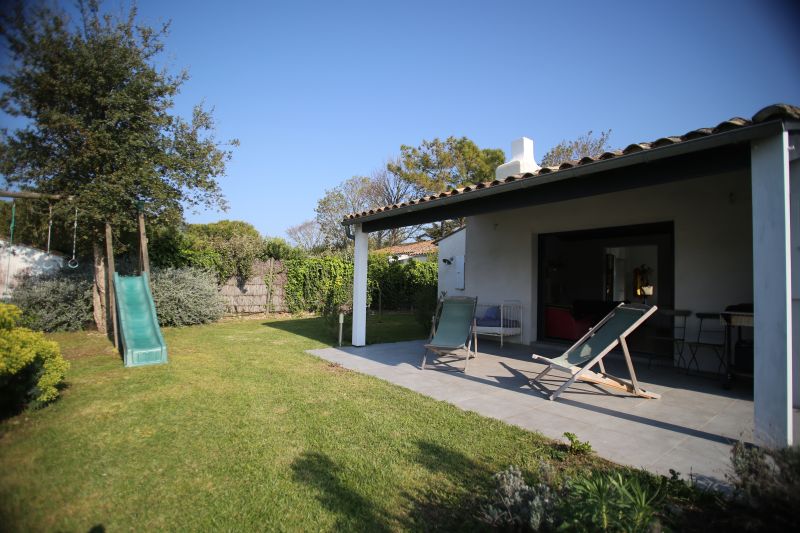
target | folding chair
[
  {"x": 590, "y": 350},
  {"x": 455, "y": 331},
  {"x": 710, "y": 339}
]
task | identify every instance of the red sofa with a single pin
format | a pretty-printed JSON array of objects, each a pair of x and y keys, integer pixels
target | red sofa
[{"x": 570, "y": 323}]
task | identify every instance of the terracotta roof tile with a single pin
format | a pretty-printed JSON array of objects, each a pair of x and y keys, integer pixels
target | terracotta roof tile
[
  {"x": 411, "y": 248},
  {"x": 773, "y": 112}
]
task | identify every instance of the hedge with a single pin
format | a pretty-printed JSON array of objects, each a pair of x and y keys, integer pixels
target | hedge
[
  {"x": 316, "y": 284},
  {"x": 31, "y": 367}
]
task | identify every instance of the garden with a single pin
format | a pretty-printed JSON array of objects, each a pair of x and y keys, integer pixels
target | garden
[{"x": 243, "y": 429}]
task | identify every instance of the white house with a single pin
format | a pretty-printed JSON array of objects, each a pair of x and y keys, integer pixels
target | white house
[
  {"x": 706, "y": 220},
  {"x": 451, "y": 262}
]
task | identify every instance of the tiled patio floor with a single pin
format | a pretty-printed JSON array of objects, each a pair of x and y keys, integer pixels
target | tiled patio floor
[{"x": 689, "y": 429}]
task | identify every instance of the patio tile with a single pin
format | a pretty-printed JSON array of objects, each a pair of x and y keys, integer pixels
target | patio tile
[{"x": 689, "y": 429}]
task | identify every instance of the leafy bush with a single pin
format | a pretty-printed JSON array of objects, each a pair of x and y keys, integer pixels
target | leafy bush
[
  {"x": 312, "y": 282},
  {"x": 767, "y": 484},
  {"x": 277, "y": 248},
  {"x": 577, "y": 446},
  {"x": 228, "y": 247},
  {"x": 425, "y": 301},
  {"x": 186, "y": 296},
  {"x": 31, "y": 367},
  {"x": 611, "y": 502},
  {"x": 518, "y": 507},
  {"x": 338, "y": 301},
  {"x": 58, "y": 302},
  {"x": 395, "y": 285}
]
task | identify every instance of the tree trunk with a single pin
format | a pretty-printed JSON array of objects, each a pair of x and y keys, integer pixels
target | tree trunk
[{"x": 99, "y": 289}]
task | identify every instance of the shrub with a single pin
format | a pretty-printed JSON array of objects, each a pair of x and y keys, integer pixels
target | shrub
[
  {"x": 425, "y": 301},
  {"x": 229, "y": 247},
  {"x": 186, "y": 296},
  {"x": 577, "y": 446},
  {"x": 518, "y": 507},
  {"x": 611, "y": 502},
  {"x": 396, "y": 284},
  {"x": 58, "y": 302},
  {"x": 277, "y": 248},
  {"x": 338, "y": 302},
  {"x": 767, "y": 483},
  {"x": 312, "y": 282},
  {"x": 31, "y": 367}
]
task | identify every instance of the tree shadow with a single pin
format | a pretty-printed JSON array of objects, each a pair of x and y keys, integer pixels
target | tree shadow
[
  {"x": 310, "y": 328},
  {"x": 354, "y": 511},
  {"x": 454, "y": 502}
]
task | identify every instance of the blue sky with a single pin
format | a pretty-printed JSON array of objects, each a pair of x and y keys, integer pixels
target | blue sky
[{"x": 320, "y": 91}]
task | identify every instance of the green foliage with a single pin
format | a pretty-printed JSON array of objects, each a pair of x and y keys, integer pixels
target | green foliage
[
  {"x": 59, "y": 302},
  {"x": 277, "y": 248},
  {"x": 228, "y": 247},
  {"x": 767, "y": 484},
  {"x": 611, "y": 502},
  {"x": 31, "y": 367},
  {"x": 584, "y": 146},
  {"x": 351, "y": 196},
  {"x": 516, "y": 506},
  {"x": 224, "y": 229},
  {"x": 95, "y": 119},
  {"x": 185, "y": 296},
  {"x": 397, "y": 284},
  {"x": 439, "y": 165},
  {"x": 313, "y": 282},
  {"x": 168, "y": 247},
  {"x": 577, "y": 446}
]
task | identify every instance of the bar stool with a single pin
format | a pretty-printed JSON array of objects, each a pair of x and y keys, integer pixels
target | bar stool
[
  {"x": 711, "y": 339},
  {"x": 678, "y": 338}
]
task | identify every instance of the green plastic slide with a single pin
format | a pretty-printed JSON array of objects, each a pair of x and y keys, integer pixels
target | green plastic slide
[{"x": 142, "y": 342}]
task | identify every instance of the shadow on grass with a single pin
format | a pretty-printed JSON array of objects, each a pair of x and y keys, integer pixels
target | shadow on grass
[
  {"x": 354, "y": 512},
  {"x": 388, "y": 328},
  {"x": 313, "y": 328},
  {"x": 454, "y": 502}
]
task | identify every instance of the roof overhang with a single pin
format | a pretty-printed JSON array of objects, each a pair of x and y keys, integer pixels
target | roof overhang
[{"x": 719, "y": 153}]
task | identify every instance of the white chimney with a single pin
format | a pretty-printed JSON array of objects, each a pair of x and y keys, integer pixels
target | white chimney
[{"x": 521, "y": 159}]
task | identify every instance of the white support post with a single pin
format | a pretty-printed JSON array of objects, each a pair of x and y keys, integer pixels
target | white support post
[
  {"x": 360, "y": 287},
  {"x": 772, "y": 291}
]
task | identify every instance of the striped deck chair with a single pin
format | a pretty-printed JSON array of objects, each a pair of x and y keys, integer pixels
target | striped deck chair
[
  {"x": 454, "y": 332},
  {"x": 590, "y": 350}
]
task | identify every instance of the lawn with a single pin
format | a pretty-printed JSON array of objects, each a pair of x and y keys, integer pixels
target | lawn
[{"x": 243, "y": 430}]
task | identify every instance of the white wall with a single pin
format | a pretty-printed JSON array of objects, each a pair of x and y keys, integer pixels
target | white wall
[
  {"x": 451, "y": 246},
  {"x": 18, "y": 260},
  {"x": 713, "y": 243},
  {"x": 794, "y": 179}
]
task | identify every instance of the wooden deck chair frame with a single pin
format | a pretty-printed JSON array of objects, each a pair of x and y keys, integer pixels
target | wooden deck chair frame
[
  {"x": 585, "y": 373},
  {"x": 470, "y": 344}
]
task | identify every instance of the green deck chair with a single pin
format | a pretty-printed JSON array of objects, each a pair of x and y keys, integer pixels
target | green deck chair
[
  {"x": 590, "y": 349},
  {"x": 455, "y": 330}
]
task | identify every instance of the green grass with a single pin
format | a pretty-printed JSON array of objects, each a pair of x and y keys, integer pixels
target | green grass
[{"x": 243, "y": 430}]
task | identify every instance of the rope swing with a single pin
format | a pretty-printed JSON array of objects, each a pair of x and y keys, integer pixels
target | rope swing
[{"x": 72, "y": 263}]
